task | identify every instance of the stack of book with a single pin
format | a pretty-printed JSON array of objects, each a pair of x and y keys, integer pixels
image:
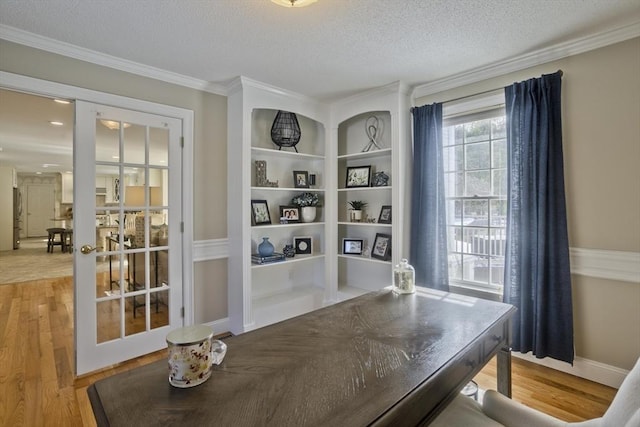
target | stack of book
[{"x": 257, "y": 259}]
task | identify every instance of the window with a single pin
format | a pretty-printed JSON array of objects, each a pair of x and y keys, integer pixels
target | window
[{"x": 475, "y": 164}]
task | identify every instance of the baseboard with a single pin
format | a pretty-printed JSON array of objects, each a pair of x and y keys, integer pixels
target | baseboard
[
  {"x": 583, "y": 368},
  {"x": 219, "y": 326}
]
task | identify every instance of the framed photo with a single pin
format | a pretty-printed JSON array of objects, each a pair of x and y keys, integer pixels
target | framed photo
[
  {"x": 352, "y": 246},
  {"x": 382, "y": 247},
  {"x": 385, "y": 215},
  {"x": 380, "y": 179},
  {"x": 303, "y": 245},
  {"x": 358, "y": 176},
  {"x": 260, "y": 212},
  {"x": 290, "y": 213},
  {"x": 301, "y": 179}
]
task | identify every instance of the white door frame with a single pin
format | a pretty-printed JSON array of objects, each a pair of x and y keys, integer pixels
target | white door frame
[{"x": 59, "y": 90}]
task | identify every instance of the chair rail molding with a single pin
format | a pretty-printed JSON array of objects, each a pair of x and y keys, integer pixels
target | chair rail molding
[
  {"x": 606, "y": 264},
  {"x": 206, "y": 250}
]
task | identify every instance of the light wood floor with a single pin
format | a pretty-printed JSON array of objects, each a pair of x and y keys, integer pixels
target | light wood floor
[{"x": 37, "y": 386}]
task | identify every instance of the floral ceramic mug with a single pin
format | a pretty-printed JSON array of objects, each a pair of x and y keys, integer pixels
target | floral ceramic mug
[{"x": 192, "y": 354}]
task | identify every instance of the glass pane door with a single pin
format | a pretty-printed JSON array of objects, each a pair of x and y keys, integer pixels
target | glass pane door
[{"x": 135, "y": 163}]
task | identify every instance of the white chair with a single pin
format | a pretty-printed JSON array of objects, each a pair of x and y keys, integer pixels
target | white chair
[{"x": 498, "y": 410}]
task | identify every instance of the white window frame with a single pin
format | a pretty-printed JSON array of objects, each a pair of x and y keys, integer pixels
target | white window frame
[{"x": 466, "y": 107}]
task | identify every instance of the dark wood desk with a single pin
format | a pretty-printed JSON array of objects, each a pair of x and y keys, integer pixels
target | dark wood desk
[{"x": 379, "y": 359}]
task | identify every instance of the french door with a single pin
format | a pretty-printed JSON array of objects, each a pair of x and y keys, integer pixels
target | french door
[{"x": 127, "y": 233}]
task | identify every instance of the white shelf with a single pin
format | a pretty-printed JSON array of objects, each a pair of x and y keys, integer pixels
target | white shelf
[
  {"x": 348, "y": 292},
  {"x": 290, "y": 154},
  {"x": 289, "y": 261},
  {"x": 309, "y": 190},
  {"x": 280, "y": 306},
  {"x": 365, "y": 224},
  {"x": 385, "y": 187},
  {"x": 366, "y": 155},
  {"x": 364, "y": 259},
  {"x": 278, "y": 225}
]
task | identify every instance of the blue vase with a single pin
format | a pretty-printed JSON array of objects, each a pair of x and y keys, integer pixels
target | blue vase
[{"x": 266, "y": 247}]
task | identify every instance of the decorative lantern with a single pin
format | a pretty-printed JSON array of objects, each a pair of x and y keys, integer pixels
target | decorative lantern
[{"x": 285, "y": 131}]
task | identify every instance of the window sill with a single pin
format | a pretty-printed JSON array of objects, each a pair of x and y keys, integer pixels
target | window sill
[{"x": 474, "y": 291}]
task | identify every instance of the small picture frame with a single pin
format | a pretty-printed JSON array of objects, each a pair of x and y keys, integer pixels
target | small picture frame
[
  {"x": 303, "y": 245},
  {"x": 289, "y": 214},
  {"x": 380, "y": 179},
  {"x": 260, "y": 212},
  {"x": 385, "y": 215},
  {"x": 381, "y": 247},
  {"x": 301, "y": 179},
  {"x": 358, "y": 176},
  {"x": 352, "y": 246}
]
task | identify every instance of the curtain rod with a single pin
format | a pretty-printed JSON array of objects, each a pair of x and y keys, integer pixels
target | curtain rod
[{"x": 483, "y": 92}]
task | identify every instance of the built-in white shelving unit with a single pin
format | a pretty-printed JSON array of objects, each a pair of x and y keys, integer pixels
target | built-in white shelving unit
[
  {"x": 358, "y": 274},
  {"x": 333, "y": 136},
  {"x": 261, "y": 294}
]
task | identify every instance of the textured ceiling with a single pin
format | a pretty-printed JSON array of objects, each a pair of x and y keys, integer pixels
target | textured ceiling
[{"x": 328, "y": 50}]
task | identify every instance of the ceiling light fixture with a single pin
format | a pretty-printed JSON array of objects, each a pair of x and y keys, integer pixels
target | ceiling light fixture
[
  {"x": 54, "y": 123},
  {"x": 62, "y": 101},
  {"x": 113, "y": 125},
  {"x": 294, "y": 3}
]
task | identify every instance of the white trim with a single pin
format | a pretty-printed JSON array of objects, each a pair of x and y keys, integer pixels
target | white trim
[
  {"x": 72, "y": 51},
  {"x": 188, "y": 300},
  {"x": 220, "y": 326},
  {"x": 205, "y": 250},
  {"x": 612, "y": 265},
  {"x": 528, "y": 60},
  {"x": 473, "y": 103},
  {"x": 583, "y": 368},
  {"x": 242, "y": 82}
]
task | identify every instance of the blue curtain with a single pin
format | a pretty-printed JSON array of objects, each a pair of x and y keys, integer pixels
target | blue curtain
[
  {"x": 537, "y": 274},
  {"x": 428, "y": 215}
]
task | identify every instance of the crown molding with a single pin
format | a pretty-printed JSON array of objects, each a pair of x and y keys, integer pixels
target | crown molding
[
  {"x": 397, "y": 87},
  {"x": 528, "y": 60},
  {"x": 72, "y": 51},
  {"x": 496, "y": 69},
  {"x": 243, "y": 81}
]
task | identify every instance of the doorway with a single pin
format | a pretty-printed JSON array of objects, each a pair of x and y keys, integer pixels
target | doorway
[
  {"x": 60, "y": 91},
  {"x": 40, "y": 209}
]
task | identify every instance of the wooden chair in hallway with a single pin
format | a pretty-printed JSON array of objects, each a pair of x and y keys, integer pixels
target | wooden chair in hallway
[
  {"x": 51, "y": 241},
  {"x": 67, "y": 240}
]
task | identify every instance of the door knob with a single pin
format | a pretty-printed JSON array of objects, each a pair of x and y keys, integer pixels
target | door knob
[{"x": 87, "y": 249}]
